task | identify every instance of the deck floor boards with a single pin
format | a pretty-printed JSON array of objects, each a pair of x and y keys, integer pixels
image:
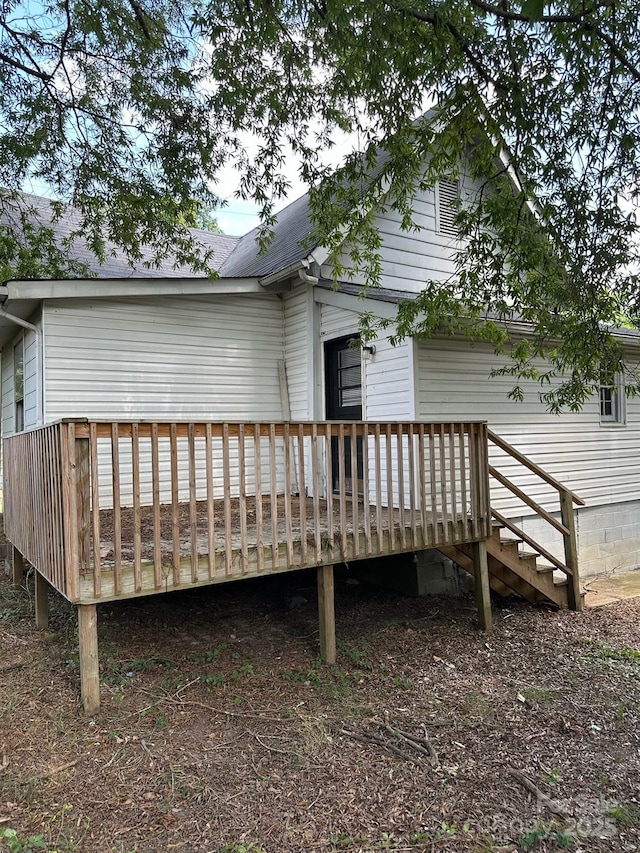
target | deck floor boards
[{"x": 335, "y": 545}]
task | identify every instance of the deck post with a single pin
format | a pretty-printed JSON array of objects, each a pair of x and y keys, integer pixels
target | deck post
[
  {"x": 574, "y": 597},
  {"x": 17, "y": 566},
  {"x": 42, "y": 601},
  {"x": 483, "y": 592},
  {"x": 326, "y": 613},
  {"x": 88, "y": 642}
]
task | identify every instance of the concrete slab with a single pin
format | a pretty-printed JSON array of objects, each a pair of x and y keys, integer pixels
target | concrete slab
[{"x": 608, "y": 589}]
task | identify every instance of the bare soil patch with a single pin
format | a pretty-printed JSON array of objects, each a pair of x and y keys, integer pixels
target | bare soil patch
[{"x": 222, "y": 732}]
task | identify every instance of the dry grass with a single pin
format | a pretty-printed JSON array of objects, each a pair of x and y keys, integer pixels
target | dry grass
[{"x": 221, "y": 731}]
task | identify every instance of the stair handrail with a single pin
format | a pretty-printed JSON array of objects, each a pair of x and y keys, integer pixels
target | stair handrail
[
  {"x": 511, "y": 450},
  {"x": 566, "y": 527}
]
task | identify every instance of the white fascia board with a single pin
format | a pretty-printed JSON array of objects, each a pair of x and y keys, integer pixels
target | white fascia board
[
  {"x": 384, "y": 310},
  {"x": 117, "y": 288}
]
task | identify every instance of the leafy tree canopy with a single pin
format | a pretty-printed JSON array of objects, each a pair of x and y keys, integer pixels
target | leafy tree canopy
[{"x": 130, "y": 109}]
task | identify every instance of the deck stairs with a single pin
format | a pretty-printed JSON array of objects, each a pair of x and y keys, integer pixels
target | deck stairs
[{"x": 517, "y": 563}]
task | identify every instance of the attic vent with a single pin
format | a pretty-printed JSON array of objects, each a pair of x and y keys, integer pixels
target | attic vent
[{"x": 448, "y": 195}]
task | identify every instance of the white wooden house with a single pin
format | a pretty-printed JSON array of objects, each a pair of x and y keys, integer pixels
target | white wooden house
[{"x": 136, "y": 390}]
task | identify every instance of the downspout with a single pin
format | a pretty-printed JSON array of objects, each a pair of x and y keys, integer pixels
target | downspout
[{"x": 19, "y": 321}]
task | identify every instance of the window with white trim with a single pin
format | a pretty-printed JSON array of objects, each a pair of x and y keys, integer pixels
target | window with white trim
[
  {"x": 448, "y": 193},
  {"x": 18, "y": 384},
  {"x": 612, "y": 401}
]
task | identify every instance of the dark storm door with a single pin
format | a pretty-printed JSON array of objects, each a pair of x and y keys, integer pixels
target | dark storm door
[{"x": 343, "y": 394}]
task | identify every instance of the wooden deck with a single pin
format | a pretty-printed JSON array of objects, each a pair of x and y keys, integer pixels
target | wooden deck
[{"x": 111, "y": 510}]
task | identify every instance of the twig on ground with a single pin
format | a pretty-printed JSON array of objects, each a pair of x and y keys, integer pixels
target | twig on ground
[
  {"x": 542, "y": 798},
  {"x": 266, "y": 745},
  {"x": 223, "y": 712},
  {"x": 369, "y": 739},
  {"x": 10, "y": 667},
  {"x": 421, "y": 744},
  {"x": 47, "y": 774}
]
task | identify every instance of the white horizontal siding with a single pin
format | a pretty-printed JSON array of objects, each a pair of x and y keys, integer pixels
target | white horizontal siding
[
  {"x": 409, "y": 258},
  {"x": 337, "y": 322},
  {"x": 599, "y": 463},
  {"x": 297, "y": 348},
  {"x": 187, "y": 358},
  {"x": 387, "y": 396},
  {"x": 31, "y": 381},
  {"x": 179, "y": 359},
  {"x": 388, "y": 382}
]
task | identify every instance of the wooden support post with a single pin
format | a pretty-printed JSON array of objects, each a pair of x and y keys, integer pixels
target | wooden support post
[
  {"x": 42, "y": 601},
  {"x": 17, "y": 565},
  {"x": 326, "y": 613},
  {"x": 88, "y": 641},
  {"x": 575, "y": 600},
  {"x": 483, "y": 592}
]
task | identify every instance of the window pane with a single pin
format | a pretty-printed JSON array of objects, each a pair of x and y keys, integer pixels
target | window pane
[
  {"x": 351, "y": 396},
  {"x": 606, "y": 401},
  {"x": 349, "y": 357},
  {"x": 18, "y": 370}
]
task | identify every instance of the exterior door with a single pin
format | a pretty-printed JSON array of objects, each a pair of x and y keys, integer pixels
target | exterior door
[{"x": 343, "y": 394}]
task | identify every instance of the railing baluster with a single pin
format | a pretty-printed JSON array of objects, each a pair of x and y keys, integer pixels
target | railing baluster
[
  {"x": 453, "y": 482},
  {"x": 366, "y": 504},
  {"x": 211, "y": 514},
  {"x": 390, "y": 501},
  {"x": 175, "y": 502},
  {"x": 95, "y": 511},
  {"x": 226, "y": 469},
  {"x": 302, "y": 495},
  {"x": 155, "y": 478},
  {"x": 329, "y": 480},
  {"x": 462, "y": 432},
  {"x": 257, "y": 454},
  {"x": 342, "y": 488},
  {"x": 423, "y": 483},
  {"x": 400, "y": 468},
  {"x": 315, "y": 476},
  {"x": 378, "y": 463},
  {"x": 355, "y": 490},
  {"x": 412, "y": 486},
  {"x": 287, "y": 494},
  {"x": 273, "y": 470},
  {"x": 443, "y": 484},
  {"x": 117, "y": 513},
  {"x": 433, "y": 484},
  {"x": 242, "y": 500},
  {"x": 137, "y": 532},
  {"x": 193, "y": 505}
]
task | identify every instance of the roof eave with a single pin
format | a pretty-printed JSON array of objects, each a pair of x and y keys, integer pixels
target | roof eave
[{"x": 117, "y": 288}]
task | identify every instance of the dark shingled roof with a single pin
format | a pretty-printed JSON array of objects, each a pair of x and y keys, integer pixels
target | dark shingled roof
[
  {"x": 290, "y": 243},
  {"x": 115, "y": 264},
  {"x": 379, "y": 294}
]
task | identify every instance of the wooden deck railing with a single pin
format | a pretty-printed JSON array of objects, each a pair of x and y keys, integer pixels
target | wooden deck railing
[
  {"x": 565, "y": 526},
  {"x": 110, "y": 509}
]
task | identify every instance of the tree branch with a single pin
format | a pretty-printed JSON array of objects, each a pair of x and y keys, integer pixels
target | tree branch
[
  {"x": 32, "y": 72},
  {"x": 619, "y": 55},
  {"x": 453, "y": 31},
  {"x": 505, "y": 14}
]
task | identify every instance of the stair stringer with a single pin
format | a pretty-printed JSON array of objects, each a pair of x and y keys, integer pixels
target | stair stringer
[{"x": 512, "y": 571}]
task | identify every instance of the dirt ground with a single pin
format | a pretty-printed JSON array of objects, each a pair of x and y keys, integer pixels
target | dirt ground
[{"x": 222, "y": 732}]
